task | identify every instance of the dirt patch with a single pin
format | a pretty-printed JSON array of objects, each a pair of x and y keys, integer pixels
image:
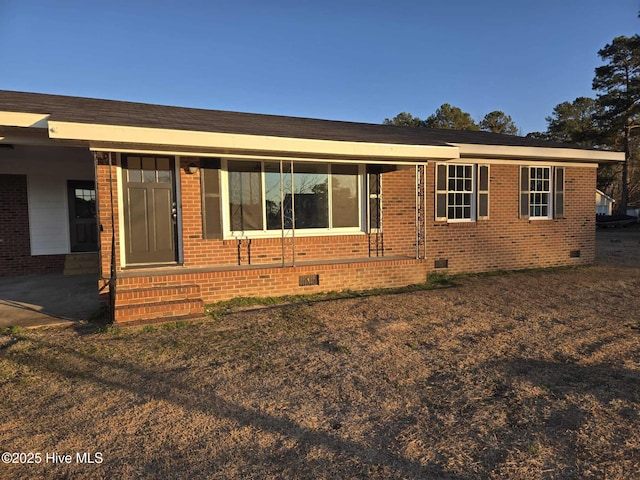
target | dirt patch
[{"x": 530, "y": 375}]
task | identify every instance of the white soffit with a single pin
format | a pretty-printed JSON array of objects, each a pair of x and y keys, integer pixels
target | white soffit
[
  {"x": 538, "y": 153},
  {"x": 243, "y": 142},
  {"x": 19, "y": 119}
]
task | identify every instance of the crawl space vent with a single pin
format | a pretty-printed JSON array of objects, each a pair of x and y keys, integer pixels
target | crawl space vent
[{"x": 308, "y": 280}]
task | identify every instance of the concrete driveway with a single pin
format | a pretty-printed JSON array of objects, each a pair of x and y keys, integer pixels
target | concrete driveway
[{"x": 45, "y": 300}]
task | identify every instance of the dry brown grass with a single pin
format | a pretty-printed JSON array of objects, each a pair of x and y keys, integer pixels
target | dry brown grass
[{"x": 532, "y": 375}]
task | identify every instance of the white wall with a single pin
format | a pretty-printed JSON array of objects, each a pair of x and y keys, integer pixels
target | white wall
[
  {"x": 47, "y": 170},
  {"x": 604, "y": 205}
]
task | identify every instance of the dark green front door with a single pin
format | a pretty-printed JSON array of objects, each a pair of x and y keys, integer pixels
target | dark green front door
[{"x": 149, "y": 210}]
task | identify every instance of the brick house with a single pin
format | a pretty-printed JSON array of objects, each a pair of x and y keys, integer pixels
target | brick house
[{"x": 186, "y": 207}]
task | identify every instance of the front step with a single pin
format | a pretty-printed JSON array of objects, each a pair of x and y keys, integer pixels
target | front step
[
  {"x": 80, "y": 264},
  {"x": 154, "y": 304}
]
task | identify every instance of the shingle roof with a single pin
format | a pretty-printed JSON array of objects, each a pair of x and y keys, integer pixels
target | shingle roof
[{"x": 111, "y": 112}]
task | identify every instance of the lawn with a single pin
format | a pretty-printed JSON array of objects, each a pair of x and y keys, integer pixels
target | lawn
[{"x": 524, "y": 375}]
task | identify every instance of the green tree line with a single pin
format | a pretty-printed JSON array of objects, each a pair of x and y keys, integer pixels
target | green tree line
[{"x": 610, "y": 120}]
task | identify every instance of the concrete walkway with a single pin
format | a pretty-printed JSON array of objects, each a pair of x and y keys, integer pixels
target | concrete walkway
[{"x": 46, "y": 300}]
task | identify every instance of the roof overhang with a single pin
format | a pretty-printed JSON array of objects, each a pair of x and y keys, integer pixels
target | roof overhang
[
  {"x": 538, "y": 153},
  {"x": 20, "y": 127},
  {"x": 21, "y": 119},
  {"x": 33, "y": 136},
  {"x": 114, "y": 137},
  {"x": 601, "y": 193}
]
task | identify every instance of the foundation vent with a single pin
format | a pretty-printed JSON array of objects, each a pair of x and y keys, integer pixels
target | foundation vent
[
  {"x": 574, "y": 254},
  {"x": 308, "y": 280},
  {"x": 442, "y": 263}
]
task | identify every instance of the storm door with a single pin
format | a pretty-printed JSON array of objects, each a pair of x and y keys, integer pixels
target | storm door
[
  {"x": 149, "y": 210},
  {"x": 83, "y": 232}
]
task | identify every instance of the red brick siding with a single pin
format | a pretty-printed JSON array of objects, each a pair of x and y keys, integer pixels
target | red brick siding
[
  {"x": 399, "y": 212},
  {"x": 15, "y": 244},
  {"x": 103, "y": 199},
  {"x": 398, "y": 217},
  {"x": 505, "y": 241},
  {"x": 259, "y": 282}
]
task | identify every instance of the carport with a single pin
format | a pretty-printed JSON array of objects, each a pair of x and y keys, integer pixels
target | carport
[{"x": 47, "y": 300}]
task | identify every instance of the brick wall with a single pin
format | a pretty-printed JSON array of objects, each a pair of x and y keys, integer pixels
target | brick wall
[
  {"x": 103, "y": 200},
  {"x": 398, "y": 217},
  {"x": 135, "y": 303},
  {"x": 503, "y": 241},
  {"x": 15, "y": 249},
  {"x": 507, "y": 242}
]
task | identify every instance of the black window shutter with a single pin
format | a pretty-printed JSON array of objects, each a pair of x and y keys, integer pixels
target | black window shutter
[
  {"x": 524, "y": 192},
  {"x": 483, "y": 191},
  {"x": 441, "y": 192},
  {"x": 558, "y": 201},
  {"x": 211, "y": 203}
]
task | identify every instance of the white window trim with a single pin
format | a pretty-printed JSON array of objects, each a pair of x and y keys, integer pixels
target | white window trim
[
  {"x": 550, "y": 193},
  {"x": 228, "y": 234},
  {"x": 474, "y": 193}
]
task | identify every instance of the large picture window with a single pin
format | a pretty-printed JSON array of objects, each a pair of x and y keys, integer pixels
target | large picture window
[
  {"x": 344, "y": 194},
  {"x": 245, "y": 195},
  {"x": 311, "y": 197}
]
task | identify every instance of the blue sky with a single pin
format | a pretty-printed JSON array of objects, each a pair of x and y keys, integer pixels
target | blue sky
[{"x": 353, "y": 60}]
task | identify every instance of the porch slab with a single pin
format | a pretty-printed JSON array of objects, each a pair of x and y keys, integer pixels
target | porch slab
[
  {"x": 130, "y": 272},
  {"x": 47, "y": 300}
]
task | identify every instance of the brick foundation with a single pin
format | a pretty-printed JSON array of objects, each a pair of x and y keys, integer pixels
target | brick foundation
[{"x": 145, "y": 295}]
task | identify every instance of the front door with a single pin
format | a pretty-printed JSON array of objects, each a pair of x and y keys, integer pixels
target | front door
[
  {"x": 149, "y": 210},
  {"x": 83, "y": 232}
]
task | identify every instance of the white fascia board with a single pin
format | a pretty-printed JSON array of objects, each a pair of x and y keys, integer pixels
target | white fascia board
[
  {"x": 20, "y": 119},
  {"x": 604, "y": 195},
  {"x": 242, "y": 142},
  {"x": 538, "y": 153},
  {"x": 550, "y": 162},
  {"x": 239, "y": 156}
]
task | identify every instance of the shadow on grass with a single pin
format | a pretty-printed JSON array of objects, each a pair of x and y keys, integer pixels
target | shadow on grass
[
  {"x": 360, "y": 460},
  {"x": 562, "y": 407},
  {"x": 563, "y": 379}
]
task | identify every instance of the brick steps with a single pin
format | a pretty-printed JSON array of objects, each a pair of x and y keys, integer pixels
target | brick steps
[
  {"x": 80, "y": 264},
  {"x": 156, "y": 304}
]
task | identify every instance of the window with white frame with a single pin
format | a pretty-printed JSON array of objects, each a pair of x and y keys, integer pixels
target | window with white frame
[
  {"x": 460, "y": 194},
  {"x": 311, "y": 197},
  {"x": 541, "y": 192}
]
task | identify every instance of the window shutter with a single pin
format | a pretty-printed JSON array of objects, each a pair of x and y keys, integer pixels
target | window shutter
[
  {"x": 524, "y": 192},
  {"x": 558, "y": 186},
  {"x": 483, "y": 191},
  {"x": 441, "y": 192},
  {"x": 211, "y": 205}
]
